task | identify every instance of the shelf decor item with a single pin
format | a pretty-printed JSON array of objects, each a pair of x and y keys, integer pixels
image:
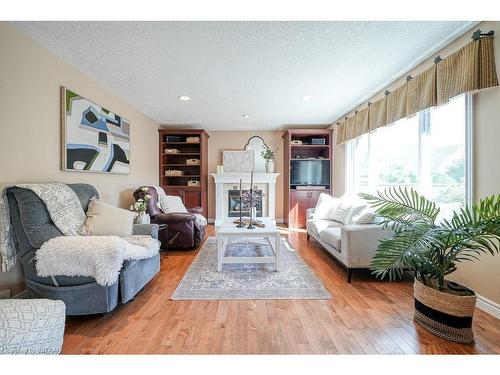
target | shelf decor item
[
  {"x": 193, "y": 183},
  {"x": 193, "y": 161},
  {"x": 93, "y": 138},
  {"x": 432, "y": 250},
  {"x": 193, "y": 140},
  {"x": 173, "y": 172},
  {"x": 171, "y": 151}
]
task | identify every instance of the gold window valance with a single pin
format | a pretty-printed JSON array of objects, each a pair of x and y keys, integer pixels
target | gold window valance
[
  {"x": 340, "y": 131},
  {"x": 350, "y": 128},
  {"x": 468, "y": 70},
  {"x": 362, "y": 124},
  {"x": 378, "y": 114},
  {"x": 396, "y": 104},
  {"x": 421, "y": 91}
]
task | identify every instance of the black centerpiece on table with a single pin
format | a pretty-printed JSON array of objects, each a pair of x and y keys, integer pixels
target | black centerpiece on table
[
  {"x": 251, "y": 226},
  {"x": 240, "y": 225}
]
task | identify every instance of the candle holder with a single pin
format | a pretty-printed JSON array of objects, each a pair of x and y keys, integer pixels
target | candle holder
[
  {"x": 241, "y": 225},
  {"x": 251, "y": 226}
]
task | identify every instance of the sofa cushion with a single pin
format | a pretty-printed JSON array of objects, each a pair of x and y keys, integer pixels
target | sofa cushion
[
  {"x": 104, "y": 219},
  {"x": 331, "y": 236},
  {"x": 324, "y": 207},
  {"x": 316, "y": 226}
]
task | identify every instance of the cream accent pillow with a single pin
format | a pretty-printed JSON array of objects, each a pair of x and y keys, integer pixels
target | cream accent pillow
[
  {"x": 173, "y": 203},
  {"x": 367, "y": 216},
  {"x": 355, "y": 210},
  {"x": 104, "y": 219},
  {"x": 324, "y": 207},
  {"x": 341, "y": 212}
]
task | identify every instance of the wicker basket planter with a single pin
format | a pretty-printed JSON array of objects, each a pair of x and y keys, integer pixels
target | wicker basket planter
[{"x": 444, "y": 314}]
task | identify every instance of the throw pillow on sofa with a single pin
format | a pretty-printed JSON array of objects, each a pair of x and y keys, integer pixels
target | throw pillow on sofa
[
  {"x": 104, "y": 219},
  {"x": 367, "y": 216},
  {"x": 355, "y": 210},
  {"x": 346, "y": 203},
  {"x": 341, "y": 213},
  {"x": 172, "y": 203},
  {"x": 324, "y": 207}
]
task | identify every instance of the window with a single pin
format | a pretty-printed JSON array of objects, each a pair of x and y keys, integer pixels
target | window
[{"x": 429, "y": 151}]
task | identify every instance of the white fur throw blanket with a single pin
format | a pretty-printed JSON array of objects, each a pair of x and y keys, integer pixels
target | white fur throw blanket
[{"x": 100, "y": 257}]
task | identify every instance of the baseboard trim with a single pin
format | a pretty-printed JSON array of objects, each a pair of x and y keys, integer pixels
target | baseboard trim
[{"x": 488, "y": 306}]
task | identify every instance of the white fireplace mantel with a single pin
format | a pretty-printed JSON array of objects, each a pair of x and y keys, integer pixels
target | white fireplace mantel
[{"x": 234, "y": 178}]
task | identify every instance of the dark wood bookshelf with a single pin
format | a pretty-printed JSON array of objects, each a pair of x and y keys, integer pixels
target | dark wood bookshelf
[
  {"x": 192, "y": 196},
  {"x": 297, "y": 199}
]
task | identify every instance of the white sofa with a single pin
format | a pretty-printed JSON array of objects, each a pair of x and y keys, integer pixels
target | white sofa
[{"x": 353, "y": 244}]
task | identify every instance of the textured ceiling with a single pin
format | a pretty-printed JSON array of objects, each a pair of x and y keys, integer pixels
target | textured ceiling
[{"x": 260, "y": 69}]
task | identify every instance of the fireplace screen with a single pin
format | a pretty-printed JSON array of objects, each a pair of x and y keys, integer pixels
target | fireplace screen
[{"x": 233, "y": 198}]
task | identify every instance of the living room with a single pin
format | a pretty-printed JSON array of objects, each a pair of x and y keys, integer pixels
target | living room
[{"x": 214, "y": 187}]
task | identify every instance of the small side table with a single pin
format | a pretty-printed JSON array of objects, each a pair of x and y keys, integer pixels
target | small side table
[{"x": 161, "y": 228}]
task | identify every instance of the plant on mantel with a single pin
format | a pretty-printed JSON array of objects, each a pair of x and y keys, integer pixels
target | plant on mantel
[
  {"x": 433, "y": 250},
  {"x": 268, "y": 155}
]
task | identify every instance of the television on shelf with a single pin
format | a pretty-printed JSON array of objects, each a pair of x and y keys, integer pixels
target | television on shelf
[{"x": 310, "y": 172}]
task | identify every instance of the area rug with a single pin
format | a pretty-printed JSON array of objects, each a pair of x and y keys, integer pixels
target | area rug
[{"x": 295, "y": 280}]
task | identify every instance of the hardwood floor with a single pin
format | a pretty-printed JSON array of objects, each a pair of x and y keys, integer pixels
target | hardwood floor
[{"x": 367, "y": 316}]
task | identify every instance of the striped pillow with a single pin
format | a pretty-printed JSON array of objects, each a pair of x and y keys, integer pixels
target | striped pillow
[
  {"x": 367, "y": 216},
  {"x": 342, "y": 211}
]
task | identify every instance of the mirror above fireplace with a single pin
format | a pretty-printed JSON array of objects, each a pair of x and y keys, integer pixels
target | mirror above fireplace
[{"x": 257, "y": 145}]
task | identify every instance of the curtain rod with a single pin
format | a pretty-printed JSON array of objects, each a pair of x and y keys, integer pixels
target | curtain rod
[{"x": 478, "y": 34}]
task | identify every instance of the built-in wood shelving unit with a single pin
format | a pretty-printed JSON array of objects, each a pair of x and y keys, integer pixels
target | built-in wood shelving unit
[
  {"x": 192, "y": 196},
  {"x": 299, "y": 198}
]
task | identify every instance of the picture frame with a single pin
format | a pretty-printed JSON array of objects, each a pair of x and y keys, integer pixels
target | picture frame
[
  {"x": 240, "y": 161},
  {"x": 93, "y": 139}
]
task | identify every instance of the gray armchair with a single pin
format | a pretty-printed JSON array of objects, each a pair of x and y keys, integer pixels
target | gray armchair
[{"x": 82, "y": 295}]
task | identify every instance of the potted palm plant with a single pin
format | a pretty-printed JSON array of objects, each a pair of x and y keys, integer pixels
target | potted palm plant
[{"x": 433, "y": 250}]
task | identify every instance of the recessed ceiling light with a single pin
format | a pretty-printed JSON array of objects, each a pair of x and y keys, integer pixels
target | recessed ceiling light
[
  {"x": 306, "y": 98},
  {"x": 244, "y": 116},
  {"x": 184, "y": 98}
]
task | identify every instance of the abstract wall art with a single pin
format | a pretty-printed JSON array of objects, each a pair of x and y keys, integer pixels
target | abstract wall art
[
  {"x": 238, "y": 161},
  {"x": 94, "y": 139}
]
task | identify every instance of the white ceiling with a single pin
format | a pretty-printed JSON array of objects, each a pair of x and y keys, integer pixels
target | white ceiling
[{"x": 260, "y": 69}]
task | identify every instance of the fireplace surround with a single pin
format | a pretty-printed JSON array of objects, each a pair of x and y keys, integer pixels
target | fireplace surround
[{"x": 225, "y": 183}]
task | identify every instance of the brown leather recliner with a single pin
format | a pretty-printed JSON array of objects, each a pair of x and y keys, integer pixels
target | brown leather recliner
[{"x": 183, "y": 230}]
